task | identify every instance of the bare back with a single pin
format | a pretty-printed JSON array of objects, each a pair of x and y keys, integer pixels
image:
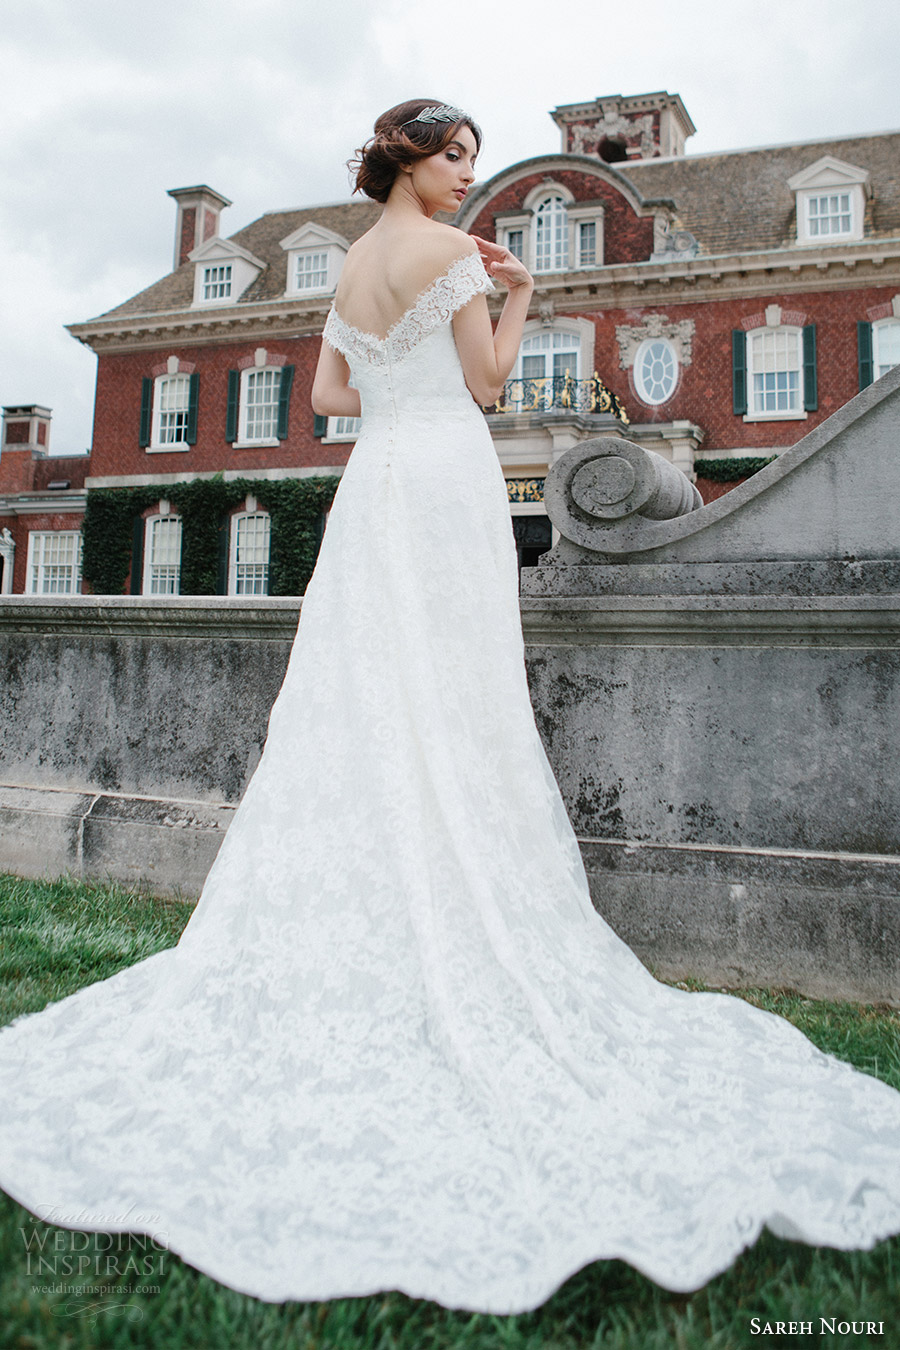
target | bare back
[{"x": 390, "y": 266}]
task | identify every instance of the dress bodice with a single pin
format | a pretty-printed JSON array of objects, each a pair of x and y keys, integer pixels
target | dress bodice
[{"x": 413, "y": 373}]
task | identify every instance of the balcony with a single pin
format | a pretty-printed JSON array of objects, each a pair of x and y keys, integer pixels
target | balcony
[{"x": 559, "y": 394}]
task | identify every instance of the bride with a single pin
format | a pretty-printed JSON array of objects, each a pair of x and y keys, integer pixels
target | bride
[{"x": 396, "y": 1047}]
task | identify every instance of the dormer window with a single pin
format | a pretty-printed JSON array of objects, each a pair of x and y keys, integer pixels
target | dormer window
[
  {"x": 831, "y": 201},
  {"x": 315, "y": 257},
  {"x": 222, "y": 271}
]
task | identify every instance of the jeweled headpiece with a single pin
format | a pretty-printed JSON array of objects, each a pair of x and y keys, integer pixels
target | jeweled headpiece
[{"x": 443, "y": 113}]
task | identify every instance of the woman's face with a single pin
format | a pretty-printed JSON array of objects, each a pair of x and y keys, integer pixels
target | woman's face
[{"x": 441, "y": 181}]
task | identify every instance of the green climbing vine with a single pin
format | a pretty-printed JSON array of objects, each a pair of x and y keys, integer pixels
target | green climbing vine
[{"x": 296, "y": 509}]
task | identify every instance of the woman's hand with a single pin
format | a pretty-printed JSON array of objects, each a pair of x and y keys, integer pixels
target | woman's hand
[{"x": 503, "y": 266}]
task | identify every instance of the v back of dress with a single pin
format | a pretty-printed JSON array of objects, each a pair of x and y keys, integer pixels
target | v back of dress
[{"x": 396, "y": 1047}]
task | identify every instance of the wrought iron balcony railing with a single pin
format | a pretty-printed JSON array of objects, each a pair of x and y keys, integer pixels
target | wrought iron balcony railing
[{"x": 558, "y": 393}]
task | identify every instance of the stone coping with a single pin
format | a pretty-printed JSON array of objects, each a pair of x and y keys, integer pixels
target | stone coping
[
  {"x": 742, "y": 620},
  {"x": 186, "y": 616}
]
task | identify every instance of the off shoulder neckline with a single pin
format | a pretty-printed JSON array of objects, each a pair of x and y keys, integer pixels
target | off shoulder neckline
[{"x": 446, "y": 275}]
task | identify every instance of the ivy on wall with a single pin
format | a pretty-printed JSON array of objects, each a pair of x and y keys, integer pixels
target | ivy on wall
[
  {"x": 296, "y": 508},
  {"x": 730, "y": 470}
]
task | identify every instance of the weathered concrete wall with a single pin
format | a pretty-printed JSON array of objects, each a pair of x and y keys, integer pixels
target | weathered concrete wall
[
  {"x": 719, "y": 695},
  {"x": 131, "y": 727}
]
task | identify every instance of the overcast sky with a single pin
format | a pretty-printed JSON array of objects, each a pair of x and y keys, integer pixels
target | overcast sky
[{"x": 108, "y": 103}]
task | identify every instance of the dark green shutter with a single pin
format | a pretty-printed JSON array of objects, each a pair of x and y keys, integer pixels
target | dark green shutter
[
  {"x": 222, "y": 568},
  {"x": 190, "y": 434},
  {"x": 810, "y": 378},
  {"x": 231, "y": 411},
  {"x": 146, "y": 411},
  {"x": 739, "y": 370},
  {"x": 284, "y": 401},
  {"x": 865, "y": 354},
  {"x": 137, "y": 555},
  {"x": 320, "y": 425}
]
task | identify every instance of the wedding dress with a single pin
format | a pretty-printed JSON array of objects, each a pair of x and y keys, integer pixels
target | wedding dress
[{"x": 396, "y": 1047}]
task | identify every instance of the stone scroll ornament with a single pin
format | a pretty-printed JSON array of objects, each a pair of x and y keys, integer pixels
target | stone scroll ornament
[{"x": 602, "y": 485}]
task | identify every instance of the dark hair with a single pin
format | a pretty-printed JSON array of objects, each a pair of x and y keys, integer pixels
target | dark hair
[{"x": 399, "y": 140}]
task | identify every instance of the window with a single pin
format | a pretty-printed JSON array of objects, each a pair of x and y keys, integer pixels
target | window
[
  {"x": 54, "y": 563},
  {"x": 830, "y": 214},
  {"x": 549, "y": 360},
  {"x": 587, "y": 243},
  {"x": 169, "y": 410},
  {"x": 655, "y": 371},
  {"x": 217, "y": 282},
  {"x": 773, "y": 363},
  {"x": 343, "y": 428},
  {"x": 311, "y": 271},
  {"x": 260, "y": 404},
  {"x": 249, "y": 568},
  {"x": 551, "y": 235},
  {"x": 885, "y": 346},
  {"x": 515, "y": 242},
  {"x": 162, "y": 555},
  {"x": 258, "y": 401},
  {"x": 172, "y": 403},
  {"x": 774, "y": 371}
]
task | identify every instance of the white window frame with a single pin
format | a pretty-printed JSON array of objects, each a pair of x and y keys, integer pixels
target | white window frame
[
  {"x": 39, "y": 565},
  {"x": 159, "y": 392},
  {"x": 755, "y": 340},
  {"x": 585, "y": 215},
  {"x": 879, "y": 328},
  {"x": 235, "y": 576},
  {"x": 244, "y": 439},
  {"x": 151, "y": 577},
  {"x": 641, "y": 388},
  {"x": 343, "y": 429},
  {"x": 520, "y": 224},
  {"x": 313, "y": 279},
  {"x": 560, "y": 229},
  {"x": 211, "y": 280}
]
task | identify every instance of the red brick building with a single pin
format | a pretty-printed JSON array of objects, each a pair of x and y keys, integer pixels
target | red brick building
[{"x": 712, "y": 307}]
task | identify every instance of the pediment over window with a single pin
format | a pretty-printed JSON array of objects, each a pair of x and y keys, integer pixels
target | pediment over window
[
  {"x": 222, "y": 271},
  {"x": 315, "y": 256},
  {"x": 831, "y": 201}
]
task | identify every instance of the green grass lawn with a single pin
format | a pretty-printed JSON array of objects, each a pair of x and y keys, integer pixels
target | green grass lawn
[{"x": 56, "y": 937}]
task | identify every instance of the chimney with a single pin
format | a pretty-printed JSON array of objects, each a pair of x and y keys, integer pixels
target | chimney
[
  {"x": 198, "y": 218},
  {"x": 617, "y": 129},
  {"x": 25, "y": 437}
]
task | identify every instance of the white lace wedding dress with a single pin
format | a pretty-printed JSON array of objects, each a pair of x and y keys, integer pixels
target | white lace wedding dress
[{"x": 396, "y": 1047}]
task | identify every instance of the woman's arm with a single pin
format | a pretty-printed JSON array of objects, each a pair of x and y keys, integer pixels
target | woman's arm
[
  {"x": 332, "y": 394},
  {"x": 487, "y": 355}
]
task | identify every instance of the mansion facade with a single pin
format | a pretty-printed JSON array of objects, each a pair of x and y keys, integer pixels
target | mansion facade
[{"x": 713, "y": 308}]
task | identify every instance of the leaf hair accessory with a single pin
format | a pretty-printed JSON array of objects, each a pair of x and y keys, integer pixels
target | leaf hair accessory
[{"x": 440, "y": 113}]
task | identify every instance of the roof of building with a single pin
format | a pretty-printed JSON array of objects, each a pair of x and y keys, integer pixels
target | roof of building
[
  {"x": 732, "y": 202},
  {"x": 739, "y": 201},
  {"x": 262, "y": 238}
]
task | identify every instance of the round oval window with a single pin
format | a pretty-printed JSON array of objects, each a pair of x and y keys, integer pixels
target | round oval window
[{"x": 655, "y": 370}]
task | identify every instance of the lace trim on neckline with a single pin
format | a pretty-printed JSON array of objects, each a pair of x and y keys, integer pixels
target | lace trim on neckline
[{"x": 436, "y": 305}]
